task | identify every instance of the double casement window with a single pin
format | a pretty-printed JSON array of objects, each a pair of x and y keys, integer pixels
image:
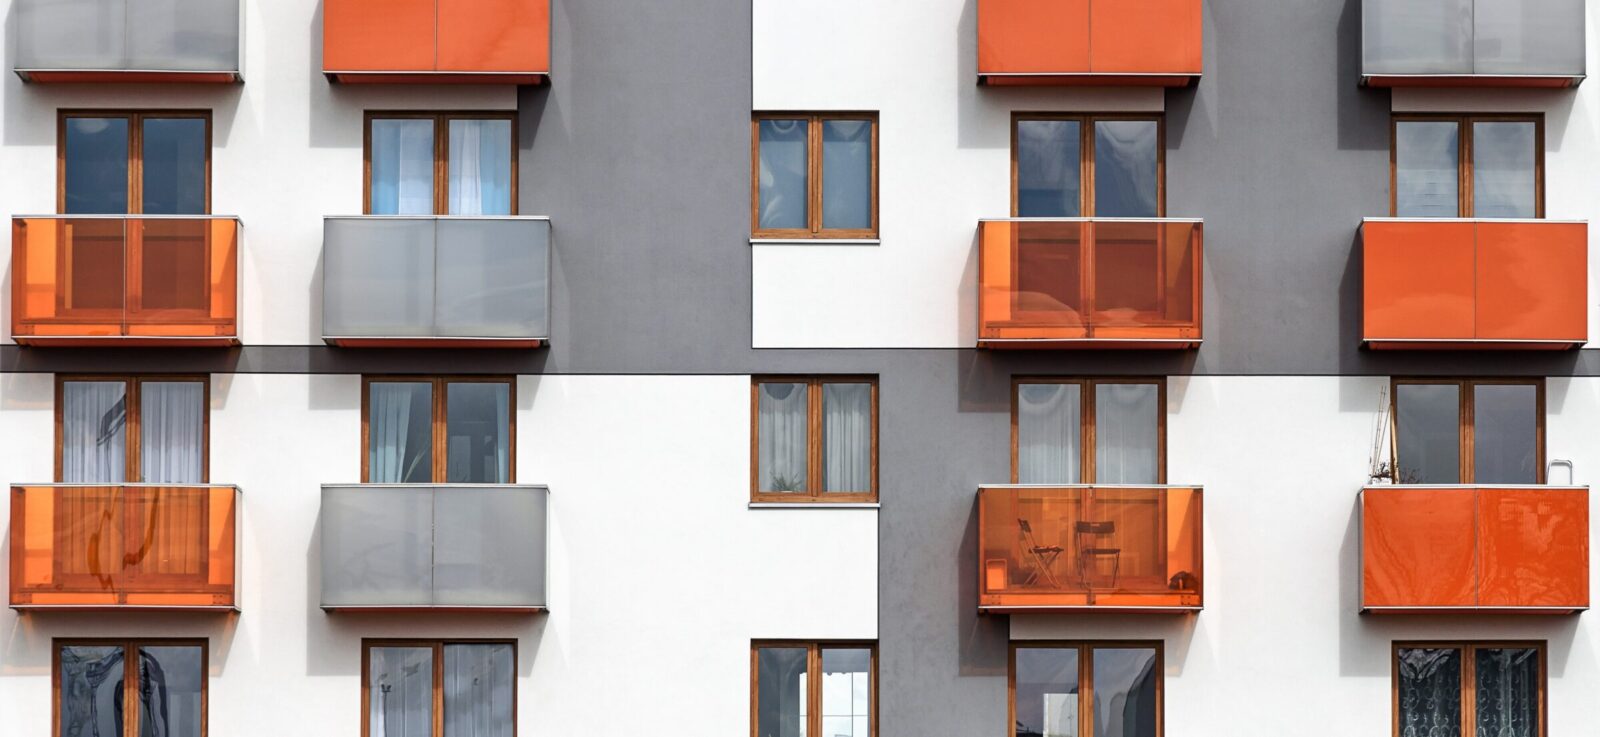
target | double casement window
[
  {"x": 130, "y": 688},
  {"x": 1469, "y": 431},
  {"x": 1072, "y": 431},
  {"x": 119, "y": 430},
  {"x": 816, "y": 439},
  {"x": 815, "y": 175},
  {"x": 1067, "y": 166},
  {"x": 120, "y": 163},
  {"x": 1475, "y": 689},
  {"x": 806, "y": 688},
  {"x": 1092, "y": 689},
  {"x": 438, "y": 689},
  {"x": 1468, "y": 166},
  {"x": 438, "y": 430},
  {"x": 441, "y": 164}
]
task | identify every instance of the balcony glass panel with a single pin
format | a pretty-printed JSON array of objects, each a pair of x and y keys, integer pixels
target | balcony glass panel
[
  {"x": 1528, "y": 37},
  {"x": 1409, "y": 37},
  {"x": 492, "y": 278},
  {"x": 1064, "y": 42},
  {"x": 377, "y": 277},
  {"x": 1501, "y": 40},
  {"x": 120, "y": 36}
]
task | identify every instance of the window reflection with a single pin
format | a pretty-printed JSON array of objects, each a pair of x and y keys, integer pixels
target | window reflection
[
  {"x": 174, "y": 166},
  {"x": 1125, "y": 692},
  {"x": 1049, "y": 168},
  {"x": 847, "y": 174},
  {"x": 1503, "y": 157},
  {"x": 1426, "y": 180},
  {"x": 1427, "y": 433},
  {"x": 1505, "y": 431},
  {"x": 96, "y": 165},
  {"x": 1046, "y": 694},
  {"x": 781, "y": 696},
  {"x": 783, "y": 176},
  {"x": 1126, "y": 170},
  {"x": 400, "y": 692},
  {"x": 478, "y": 423}
]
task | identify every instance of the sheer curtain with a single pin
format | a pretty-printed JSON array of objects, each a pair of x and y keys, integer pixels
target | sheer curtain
[
  {"x": 402, "y": 692},
  {"x": 400, "y": 445},
  {"x": 480, "y": 167},
  {"x": 477, "y": 690},
  {"x": 847, "y": 437},
  {"x": 1507, "y": 692},
  {"x": 781, "y": 432},
  {"x": 94, "y": 442},
  {"x": 402, "y": 166},
  {"x": 1430, "y": 692},
  {"x": 1049, "y": 428},
  {"x": 172, "y": 431},
  {"x": 1125, "y": 429}
]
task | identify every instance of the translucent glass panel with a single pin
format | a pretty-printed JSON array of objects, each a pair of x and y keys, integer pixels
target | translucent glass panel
[
  {"x": 449, "y": 41},
  {"x": 1427, "y": 168},
  {"x": 782, "y": 431},
  {"x": 1429, "y": 699},
  {"x": 493, "y": 278},
  {"x": 1483, "y": 37},
  {"x": 1505, "y": 434},
  {"x": 781, "y": 698},
  {"x": 123, "y": 35},
  {"x": 1528, "y": 37},
  {"x": 1409, "y": 37},
  {"x": 479, "y": 685},
  {"x": 1504, "y": 158},
  {"x": 95, "y": 161},
  {"x": 402, "y": 174},
  {"x": 1049, "y": 168},
  {"x": 783, "y": 175},
  {"x": 1126, "y": 173},
  {"x": 847, "y": 174},
  {"x": 400, "y": 691},
  {"x": 1047, "y": 692},
  {"x": 377, "y": 546},
  {"x": 167, "y": 693},
  {"x": 1428, "y": 433}
]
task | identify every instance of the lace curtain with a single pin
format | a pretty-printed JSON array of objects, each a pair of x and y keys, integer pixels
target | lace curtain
[
  {"x": 1430, "y": 692},
  {"x": 1507, "y": 692}
]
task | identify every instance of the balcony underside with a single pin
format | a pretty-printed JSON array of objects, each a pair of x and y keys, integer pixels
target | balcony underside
[
  {"x": 1472, "y": 80},
  {"x": 508, "y": 343},
  {"x": 401, "y": 77},
  {"x": 111, "y": 76},
  {"x": 125, "y": 341},
  {"x": 1472, "y": 610},
  {"x": 1086, "y": 79},
  {"x": 1055, "y": 344},
  {"x": 1430, "y": 344}
]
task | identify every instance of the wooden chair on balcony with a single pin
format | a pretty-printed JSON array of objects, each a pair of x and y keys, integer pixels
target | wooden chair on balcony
[
  {"x": 1043, "y": 557},
  {"x": 1091, "y": 538}
]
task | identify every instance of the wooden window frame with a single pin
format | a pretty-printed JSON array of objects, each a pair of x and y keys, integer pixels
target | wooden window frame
[
  {"x": 130, "y": 684},
  {"x": 441, "y": 151},
  {"x": 1464, "y": 422},
  {"x": 440, "y": 448},
  {"x": 132, "y": 393},
  {"x": 814, "y": 461},
  {"x": 1086, "y": 171},
  {"x": 1469, "y": 702},
  {"x": 1086, "y": 432},
  {"x": 1464, "y": 204},
  {"x": 814, "y": 183},
  {"x": 438, "y": 647},
  {"x": 135, "y": 120},
  {"x": 1085, "y": 650},
  {"x": 814, "y": 650}
]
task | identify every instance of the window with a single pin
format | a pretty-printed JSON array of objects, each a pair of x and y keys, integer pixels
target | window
[
  {"x": 816, "y": 176},
  {"x": 815, "y": 440},
  {"x": 432, "y": 430},
  {"x": 1479, "y": 689},
  {"x": 441, "y": 164},
  {"x": 1469, "y": 431},
  {"x": 1096, "y": 689},
  {"x": 1068, "y": 166},
  {"x": 97, "y": 682},
  {"x": 470, "y": 686},
  {"x": 116, "y": 430},
  {"x": 124, "y": 163},
  {"x": 1072, "y": 431},
  {"x": 804, "y": 688},
  {"x": 1470, "y": 166}
]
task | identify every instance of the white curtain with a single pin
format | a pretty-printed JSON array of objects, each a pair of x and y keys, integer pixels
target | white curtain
[
  {"x": 781, "y": 431},
  {"x": 94, "y": 443},
  {"x": 1125, "y": 427},
  {"x": 847, "y": 437},
  {"x": 480, "y": 167},
  {"x": 392, "y": 457},
  {"x": 402, "y": 167},
  {"x": 172, "y": 431},
  {"x": 402, "y": 692},
  {"x": 1049, "y": 429},
  {"x": 477, "y": 690}
]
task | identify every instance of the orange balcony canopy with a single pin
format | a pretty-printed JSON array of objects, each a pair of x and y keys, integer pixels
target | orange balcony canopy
[
  {"x": 1089, "y": 42},
  {"x": 436, "y": 41}
]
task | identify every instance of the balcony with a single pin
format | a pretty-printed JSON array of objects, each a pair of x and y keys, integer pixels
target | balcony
[
  {"x": 1089, "y": 42},
  {"x": 433, "y": 547},
  {"x": 1089, "y": 548},
  {"x": 1474, "y": 284},
  {"x": 1472, "y": 43},
  {"x": 125, "y": 280},
  {"x": 456, "y": 282},
  {"x": 127, "y": 546},
  {"x": 127, "y": 40},
  {"x": 1497, "y": 549},
  {"x": 1090, "y": 283},
  {"x": 436, "y": 41}
]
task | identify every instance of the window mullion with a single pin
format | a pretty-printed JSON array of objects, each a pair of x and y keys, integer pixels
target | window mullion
[
  {"x": 1085, "y": 691},
  {"x": 814, "y": 689},
  {"x": 814, "y": 173},
  {"x": 441, "y": 430},
  {"x": 438, "y": 689},
  {"x": 814, "y": 437}
]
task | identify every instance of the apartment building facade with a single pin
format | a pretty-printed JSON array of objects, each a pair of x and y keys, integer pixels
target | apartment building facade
[{"x": 959, "y": 367}]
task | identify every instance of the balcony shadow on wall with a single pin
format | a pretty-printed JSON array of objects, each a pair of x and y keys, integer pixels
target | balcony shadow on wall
[
  {"x": 983, "y": 638},
  {"x": 1362, "y": 112}
]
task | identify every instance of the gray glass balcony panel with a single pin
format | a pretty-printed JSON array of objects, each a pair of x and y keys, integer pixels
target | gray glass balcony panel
[
  {"x": 71, "y": 34},
  {"x": 1406, "y": 37},
  {"x": 120, "y": 35},
  {"x": 184, "y": 35},
  {"x": 377, "y": 277},
  {"x": 377, "y": 546},
  {"x": 489, "y": 546},
  {"x": 493, "y": 276},
  {"x": 1528, "y": 37}
]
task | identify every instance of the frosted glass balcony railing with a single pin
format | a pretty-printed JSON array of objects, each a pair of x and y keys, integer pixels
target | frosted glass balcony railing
[
  {"x": 1472, "y": 43},
  {"x": 127, "y": 40}
]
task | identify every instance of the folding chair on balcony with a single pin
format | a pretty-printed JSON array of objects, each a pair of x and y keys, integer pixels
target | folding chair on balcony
[
  {"x": 1043, "y": 556},
  {"x": 1091, "y": 546}
]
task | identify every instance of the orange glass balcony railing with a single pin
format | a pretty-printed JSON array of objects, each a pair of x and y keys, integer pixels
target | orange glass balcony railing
[
  {"x": 1078, "y": 548},
  {"x": 1090, "y": 283},
  {"x": 1436, "y": 549},
  {"x": 119, "y": 546},
  {"x": 436, "y": 41},
  {"x": 125, "y": 280},
  {"x": 1474, "y": 284},
  {"x": 1089, "y": 42}
]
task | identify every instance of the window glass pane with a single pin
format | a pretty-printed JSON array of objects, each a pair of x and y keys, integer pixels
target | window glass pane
[
  {"x": 781, "y": 431},
  {"x": 1127, "y": 421},
  {"x": 1508, "y": 684},
  {"x": 846, "y": 692},
  {"x": 1426, "y": 183},
  {"x": 783, "y": 175},
  {"x": 400, "y": 691},
  {"x": 1049, "y": 168},
  {"x": 1047, "y": 692},
  {"x": 400, "y": 432},
  {"x": 91, "y": 690},
  {"x": 1430, "y": 691},
  {"x": 781, "y": 692},
  {"x": 172, "y": 431},
  {"x": 1505, "y": 434},
  {"x": 170, "y": 687},
  {"x": 1049, "y": 429},
  {"x": 96, "y": 165},
  {"x": 1428, "y": 433},
  {"x": 1125, "y": 692},
  {"x": 478, "y": 680},
  {"x": 1502, "y": 169},
  {"x": 847, "y": 174},
  {"x": 478, "y": 426},
  {"x": 402, "y": 167},
  {"x": 94, "y": 434},
  {"x": 174, "y": 166},
  {"x": 480, "y": 167},
  {"x": 1126, "y": 177},
  {"x": 847, "y": 437}
]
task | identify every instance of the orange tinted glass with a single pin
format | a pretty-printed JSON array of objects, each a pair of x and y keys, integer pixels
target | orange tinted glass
[
  {"x": 1533, "y": 547},
  {"x": 1144, "y": 36},
  {"x": 1532, "y": 281},
  {"x": 1068, "y": 38},
  {"x": 1417, "y": 547},
  {"x": 379, "y": 35},
  {"x": 494, "y": 35}
]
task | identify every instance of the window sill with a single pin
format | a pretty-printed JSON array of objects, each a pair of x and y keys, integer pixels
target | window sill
[
  {"x": 813, "y": 505},
  {"x": 815, "y": 242}
]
